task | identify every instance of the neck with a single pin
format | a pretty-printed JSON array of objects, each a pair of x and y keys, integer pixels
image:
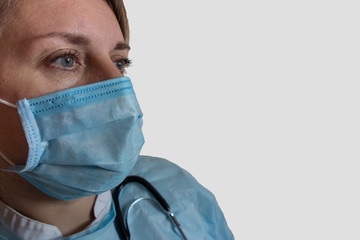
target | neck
[{"x": 69, "y": 216}]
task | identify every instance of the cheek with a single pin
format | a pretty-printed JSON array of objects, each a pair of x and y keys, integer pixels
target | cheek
[
  {"x": 23, "y": 77},
  {"x": 15, "y": 80},
  {"x": 7, "y": 82},
  {"x": 12, "y": 139},
  {"x": 24, "y": 82}
]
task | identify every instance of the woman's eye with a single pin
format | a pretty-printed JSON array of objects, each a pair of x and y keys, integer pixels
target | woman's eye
[
  {"x": 65, "y": 61},
  {"x": 68, "y": 60},
  {"x": 122, "y": 64}
]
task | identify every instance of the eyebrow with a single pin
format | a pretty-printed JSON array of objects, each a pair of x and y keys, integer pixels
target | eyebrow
[
  {"x": 122, "y": 46},
  {"x": 78, "y": 39}
]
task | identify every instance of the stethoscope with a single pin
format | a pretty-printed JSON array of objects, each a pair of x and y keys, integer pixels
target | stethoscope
[{"x": 124, "y": 230}]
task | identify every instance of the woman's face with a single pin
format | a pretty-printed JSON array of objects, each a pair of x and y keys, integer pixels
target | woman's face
[{"x": 50, "y": 46}]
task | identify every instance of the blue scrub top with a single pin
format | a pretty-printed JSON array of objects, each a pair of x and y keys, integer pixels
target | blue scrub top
[{"x": 194, "y": 206}]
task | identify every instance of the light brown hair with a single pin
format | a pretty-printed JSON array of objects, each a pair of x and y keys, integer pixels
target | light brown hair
[{"x": 120, "y": 12}]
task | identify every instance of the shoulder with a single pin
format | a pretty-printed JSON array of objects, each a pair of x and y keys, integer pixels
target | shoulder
[
  {"x": 154, "y": 162},
  {"x": 148, "y": 165},
  {"x": 164, "y": 173}
]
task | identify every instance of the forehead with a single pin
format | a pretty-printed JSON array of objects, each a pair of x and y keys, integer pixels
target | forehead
[{"x": 37, "y": 17}]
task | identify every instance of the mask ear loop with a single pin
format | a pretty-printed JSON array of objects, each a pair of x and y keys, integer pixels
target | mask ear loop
[
  {"x": 7, "y": 159},
  {"x": 8, "y": 103},
  {"x": 1, "y": 153}
]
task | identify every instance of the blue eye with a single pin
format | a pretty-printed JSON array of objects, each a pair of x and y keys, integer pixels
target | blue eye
[
  {"x": 122, "y": 64},
  {"x": 65, "y": 61}
]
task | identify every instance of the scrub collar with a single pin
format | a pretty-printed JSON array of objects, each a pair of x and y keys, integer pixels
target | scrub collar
[{"x": 26, "y": 228}]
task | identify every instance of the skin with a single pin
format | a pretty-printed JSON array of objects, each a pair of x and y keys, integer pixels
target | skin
[{"x": 33, "y": 51}]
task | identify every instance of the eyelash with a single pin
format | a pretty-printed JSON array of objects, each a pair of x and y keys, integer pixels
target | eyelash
[{"x": 67, "y": 54}]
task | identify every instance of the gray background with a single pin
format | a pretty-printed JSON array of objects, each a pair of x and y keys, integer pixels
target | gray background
[{"x": 259, "y": 100}]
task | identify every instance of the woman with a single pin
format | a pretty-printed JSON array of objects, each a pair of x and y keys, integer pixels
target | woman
[{"x": 74, "y": 133}]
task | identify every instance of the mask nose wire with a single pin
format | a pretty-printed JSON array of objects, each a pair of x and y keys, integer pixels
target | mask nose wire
[{"x": 8, "y": 103}]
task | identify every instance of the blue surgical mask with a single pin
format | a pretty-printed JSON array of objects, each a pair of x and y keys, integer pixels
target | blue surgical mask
[{"x": 82, "y": 141}]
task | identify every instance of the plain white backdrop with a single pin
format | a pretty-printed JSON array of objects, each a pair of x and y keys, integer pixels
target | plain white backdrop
[{"x": 259, "y": 100}]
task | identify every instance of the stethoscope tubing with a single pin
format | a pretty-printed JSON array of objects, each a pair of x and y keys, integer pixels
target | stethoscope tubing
[{"x": 123, "y": 231}]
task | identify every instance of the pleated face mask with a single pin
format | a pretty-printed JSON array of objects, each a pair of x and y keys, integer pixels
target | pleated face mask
[{"x": 82, "y": 141}]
